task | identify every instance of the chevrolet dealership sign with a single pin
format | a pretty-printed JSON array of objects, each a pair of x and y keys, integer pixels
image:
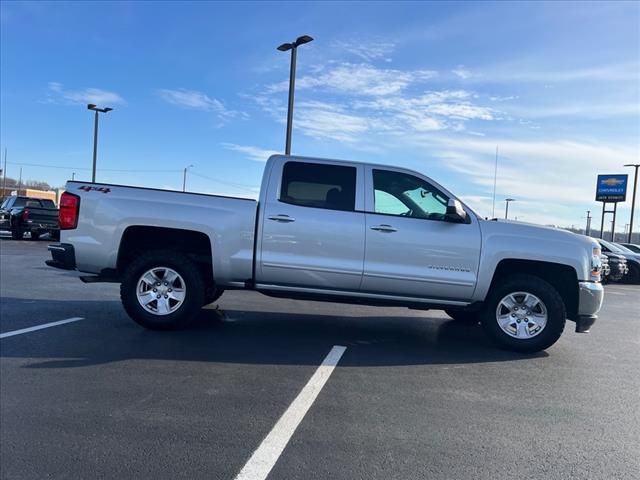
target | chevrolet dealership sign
[{"x": 611, "y": 188}]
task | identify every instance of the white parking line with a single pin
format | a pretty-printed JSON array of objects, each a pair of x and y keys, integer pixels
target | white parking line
[
  {"x": 39, "y": 327},
  {"x": 267, "y": 454}
]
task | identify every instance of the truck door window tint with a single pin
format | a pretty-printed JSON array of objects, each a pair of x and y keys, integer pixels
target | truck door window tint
[
  {"x": 319, "y": 185},
  {"x": 418, "y": 198}
]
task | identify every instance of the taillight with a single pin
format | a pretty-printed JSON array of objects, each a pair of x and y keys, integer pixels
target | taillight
[
  {"x": 69, "y": 211},
  {"x": 25, "y": 215}
]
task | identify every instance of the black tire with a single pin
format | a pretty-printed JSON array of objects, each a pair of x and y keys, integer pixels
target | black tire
[
  {"x": 549, "y": 296},
  {"x": 55, "y": 235},
  {"x": 16, "y": 232},
  {"x": 35, "y": 236},
  {"x": 464, "y": 316},
  {"x": 212, "y": 295},
  {"x": 193, "y": 286}
]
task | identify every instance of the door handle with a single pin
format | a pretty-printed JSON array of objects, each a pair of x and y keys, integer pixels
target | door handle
[
  {"x": 384, "y": 228},
  {"x": 282, "y": 218}
]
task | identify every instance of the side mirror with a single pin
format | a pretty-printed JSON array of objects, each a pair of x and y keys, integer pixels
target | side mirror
[{"x": 455, "y": 212}]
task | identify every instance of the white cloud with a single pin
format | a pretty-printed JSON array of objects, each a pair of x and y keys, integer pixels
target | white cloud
[
  {"x": 365, "y": 50},
  {"x": 462, "y": 72},
  {"x": 503, "y": 99},
  {"x": 57, "y": 94},
  {"x": 358, "y": 79},
  {"x": 191, "y": 99},
  {"x": 552, "y": 176},
  {"x": 195, "y": 100},
  {"x": 252, "y": 153}
]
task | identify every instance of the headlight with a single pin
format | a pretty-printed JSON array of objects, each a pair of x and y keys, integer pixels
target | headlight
[{"x": 596, "y": 264}]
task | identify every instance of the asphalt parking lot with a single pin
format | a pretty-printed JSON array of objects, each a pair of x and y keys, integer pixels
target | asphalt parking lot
[{"x": 415, "y": 395}]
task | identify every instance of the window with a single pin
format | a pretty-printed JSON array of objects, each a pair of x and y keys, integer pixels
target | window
[
  {"x": 407, "y": 196},
  {"x": 319, "y": 185},
  {"x": 33, "y": 203},
  {"x": 48, "y": 203}
]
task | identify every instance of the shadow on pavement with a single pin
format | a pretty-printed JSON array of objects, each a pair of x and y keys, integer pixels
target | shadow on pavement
[{"x": 257, "y": 337}]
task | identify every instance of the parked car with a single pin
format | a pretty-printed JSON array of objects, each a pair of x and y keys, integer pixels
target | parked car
[
  {"x": 618, "y": 268},
  {"x": 334, "y": 231},
  {"x": 631, "y": 246},
  {"x": 632, "y": 258},
  {"x": 22, "y": 215}
]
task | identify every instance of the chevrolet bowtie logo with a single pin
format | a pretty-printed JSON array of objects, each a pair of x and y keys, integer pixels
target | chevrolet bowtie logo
[{"x": 612, "y": 182}]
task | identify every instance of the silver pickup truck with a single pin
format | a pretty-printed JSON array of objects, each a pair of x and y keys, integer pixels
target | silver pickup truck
[{"x": 336, "y": 231}]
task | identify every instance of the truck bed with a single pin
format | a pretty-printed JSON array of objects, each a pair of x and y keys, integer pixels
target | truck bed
[{"x": 108, "y": 211}]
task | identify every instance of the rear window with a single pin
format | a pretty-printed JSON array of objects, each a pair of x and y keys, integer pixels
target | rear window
[
  {"x": 319, "y": 185},
  {"x": 33, "y": 203},
  {"x": 48, "y": 203}
]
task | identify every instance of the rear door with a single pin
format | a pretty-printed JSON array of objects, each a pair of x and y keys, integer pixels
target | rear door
[
  {"x": 312, "y": 232},
  {"x": 411, "y": 250}
]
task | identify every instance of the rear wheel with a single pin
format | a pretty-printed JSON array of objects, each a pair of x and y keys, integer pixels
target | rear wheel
[
  {"x": 524, "y": 313},
  {"x": 162, "y": 290},
  {"x": 464, "y": 316}
]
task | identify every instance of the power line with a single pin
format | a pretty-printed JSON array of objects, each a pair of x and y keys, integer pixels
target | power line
[
  {"x": 63, "y": 167},
  {"x": 231, "y": 184}
]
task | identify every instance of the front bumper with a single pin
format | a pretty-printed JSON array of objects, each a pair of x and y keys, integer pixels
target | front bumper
[
  {"x": 591, "y": 295},
  {"x": 63, "y": 256}
]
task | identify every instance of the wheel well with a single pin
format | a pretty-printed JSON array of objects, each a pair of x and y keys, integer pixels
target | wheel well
[
  {"x": 562, "y": 277},
  {"x": 195, "y": 245}
]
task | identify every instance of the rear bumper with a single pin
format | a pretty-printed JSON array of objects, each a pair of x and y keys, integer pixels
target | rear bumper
[
  {"x": 63, "y": 256},
  {"x": 35, "y": 226},
  {"x": 589, "y": 303}
]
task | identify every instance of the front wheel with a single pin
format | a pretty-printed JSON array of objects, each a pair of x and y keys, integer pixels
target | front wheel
[
  {"x": 524, "y": 313},
  {"x": 162, "y": 290}
]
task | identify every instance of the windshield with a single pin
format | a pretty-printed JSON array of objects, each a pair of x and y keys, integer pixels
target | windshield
[
  {"x": 624, "y": 249},
  {"x": 612, "y": 247}
]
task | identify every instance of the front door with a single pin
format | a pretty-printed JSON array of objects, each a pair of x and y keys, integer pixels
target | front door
[
  {"x": 411, "y": 249},
  {"x": 312, "y": 235}
]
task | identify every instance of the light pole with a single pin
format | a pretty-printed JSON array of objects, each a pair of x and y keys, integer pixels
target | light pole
[
  {"x": 91, "y": 106},
  {"x": 292, "y": 83},
  {"x": 184, "y": 178},
  {"x": 73, "y": 176},
  {"x": 633, "y": 201},
  {"x": 587, "y": 231},
  {"x": 506, "y": 210}
]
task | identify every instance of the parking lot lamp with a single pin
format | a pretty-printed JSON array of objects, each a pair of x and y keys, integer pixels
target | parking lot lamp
[
  {"x": 292, "y": 82},
  {"x": 633, "y": 199},
  {"x": 506, "y": 210},
  {"x": 91, "y": 106}
]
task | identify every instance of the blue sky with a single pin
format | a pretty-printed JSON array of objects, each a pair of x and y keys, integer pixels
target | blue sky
[{"x": 429, "y": 86}]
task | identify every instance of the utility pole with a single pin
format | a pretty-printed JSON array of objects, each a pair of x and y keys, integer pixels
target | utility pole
[
  {"x": 4, "y": 179},
  {"x": 293, "y": 46},
  {"x": 184, "y": 178},
  {"x": 587, "y": 231},
  {"x": 73, "y": 176},
  {"x": 633, "y": 201},
  {"x": 20, "y": 181},
  {"x": 495, "y": 178}
]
